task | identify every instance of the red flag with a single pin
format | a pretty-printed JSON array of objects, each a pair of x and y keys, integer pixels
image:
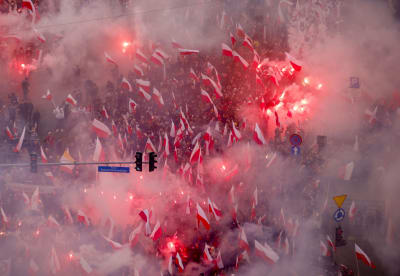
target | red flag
[
  {"x": 218, "y": 261},
  {"x": 141, "y": 56},
  {"x": 363, "y": 257},
  {"x": 98, "y": 155},
  {"x": 166, "y": 145},
  {"x": 101, "y": 129},
  {"x": 157, "y": 232},
  {"x": 71, "y": 100},
  {"x": 9, "y": 133},
  {"x": 206, "y": 97},
  {"x": 266, "y": 252},
  {"x": 247, "y": 43},
  {"x": 240, "y": 59},
  {"x": 233, "y": 39},
  {"x": 47, "y": 96},
  {"x": 226, "y": 50},
  {"x": 144, "y": 94},
  {"x": 193, "y": 75},
  {"x": 156, "y": 59},
  {"x": 256, "y": 63},
  {"x": 114, "y": 128},
  {"x": 132, "y": 105},
  {"x": 258, "y": 136},
  {"x": 179, "y": 262},
  {"x": 125, "y": 84},
  {"x": 209, "y": 81},
  {"x": 21, "y": 140},
  {"x": 243, "y": 243},
  {"x": 43, "y": 155},
  {"x": 161, "y": 53},
  {"x": 297, "y": 65},
  {"x": 278, "y": 124},
  {"x": 109, "y": 59},
  {"x": 28, "y": 5},
  {"x": 195, "y": 156},
  {"x": 201, "y": 217},
  {"x": 324, "y": 249},
  {"x": 184, "y": 52},
  {"x": 145, "y": 215},
  {"x": 175, "y": 44},
  {"x": 139, "y": 133},
  {"x": 138, "y": 70},
  {"x": 206, "y": 254},
  {"x": 353, "y": 210},
  {"x": 104, "y": 112},
  {"x": 331, "y": 244},
  {"x": 143, "y": 84},
  {"x": 212, "y": 208},
  {"x": 236, "y": 132},
  {"x": 157, "y": 97}
]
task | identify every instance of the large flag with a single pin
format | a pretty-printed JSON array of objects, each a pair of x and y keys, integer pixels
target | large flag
[
  {"x": 101, "y": 129},
  {"x": 297, "y": 65},
  {"x": 143, "y": 84},
  {"x": 240, "y": 59},
  {"x": 157, "y": 232},
  {"x": 266, "y": 252},
  {"x": 21, "y": 140},
  {"x": 110, "y": 59},
  {"x": 195, "y": 156},
  {"x": 71, "y": 100},
  {"x": 184, "y": 52},
  {"x": 363, "y": 257},
  {"x": 67, "y": 158}
]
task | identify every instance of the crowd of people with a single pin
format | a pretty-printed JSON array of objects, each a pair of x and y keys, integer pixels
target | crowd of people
[{"x": 36, "y": 227}]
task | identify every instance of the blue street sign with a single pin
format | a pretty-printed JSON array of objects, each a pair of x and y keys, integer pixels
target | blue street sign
[
  {"x": 354, "y": 82},
  {"x": 339, "y": 215},
  {"x": 295, "y": 150},
  {"x": 113, "y": 169},
  {"x": 296, "y": 140}
]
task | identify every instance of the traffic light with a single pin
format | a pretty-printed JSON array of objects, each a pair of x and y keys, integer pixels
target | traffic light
[
  {"x": 339, "y": 240},
  {"x": 139, "y": 161},
  {"x": 33, "y": 162},
  {"x": 152, "y": 161}
]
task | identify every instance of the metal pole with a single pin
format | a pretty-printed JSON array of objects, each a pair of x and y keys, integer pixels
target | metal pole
[
  {"x": 358, "y": 269},
  {"x": 68, "y": 164}
]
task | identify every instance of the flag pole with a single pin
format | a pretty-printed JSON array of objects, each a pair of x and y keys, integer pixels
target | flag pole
[{"x": 358, "y": 269}]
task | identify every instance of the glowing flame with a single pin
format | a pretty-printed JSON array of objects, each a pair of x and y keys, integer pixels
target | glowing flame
[
  {"x": 19, "y": 224},
  {"x": 141, "y": 177},
  {"x": 125, "y": 44},
  {"x": 284, "y": 69},
  {"x": 23, "y": 66},
  {"x": 319, "y": 86},
  {"x": 181, "y": 192},
  {"x": 174, "y": 201},
  {"x": 269, "y": 112},
  {"x": 84, "y": 190},
  {"x": 37, "y": 232},
  {"x": 304, "y": 101},
  {"x": 171, "y": 246},
  {"x": 306, "y": 81},
  {"x": 102, "y": 193},
  {"x": 131, "y": 197},
  {"x": 115, "y": 197},
  {"x": 223, "y": 167},
  {"x": 295, "y": 108},
  {"x": 70, "y": 255},
  {"x": 282, "y": 96},
  {"x": 278, "y": 106}
]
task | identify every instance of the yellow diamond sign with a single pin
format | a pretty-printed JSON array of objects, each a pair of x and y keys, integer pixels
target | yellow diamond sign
[{"x": 339, "y": 200}]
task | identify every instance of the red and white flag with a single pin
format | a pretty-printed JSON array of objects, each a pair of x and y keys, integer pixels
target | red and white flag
[
  {"x": 324, "y": 249},
  {"x": 48, "y": 95},
  {"x": 109, "y": 59},
  {"x": 114, "y": 128},
  {"x": 20, "y": 142},
  {"x": 172, "y": 133},
  {"x": 161, "y": 54},
  {"x": 71, "y": 100},
  {"x": 149, "y": 147},
  {"x": 126, "y": 84},
  {"x": 209, "y": 81},
  {"x": 43, "y": 155},
  {"x": 196, "y": 152},
  {"x": 143, "y": 84},
  {"x": 218, "y": 261},
  {"x": 9, "y": 133},
  {"x": 255, "y": 64},
  {"x": 201, "y": 217},
  {"x": 101, "y": 129},
  {"x": 233, "y": 39},
  {"x": 138, "y": 70},
  {"x": 193, "y": 75},
  {"x": 144, "y": 94},
  {"x": 33, "y": 267},
  {"x": 185, "y": 52},
  {"x": 240, "y": 59},
  {"x": 330, "y": 243},
  {"x": 157, "y": 232},
  {"x": 83, "y": 218},
  {"x": 167, "y": 151},
  {"x": 236, "y": 132},
  {"x": 68, "y": 214},
  {"x": 243, "y": 243},
  {"x": 353, "y": 210},
  {"x": 258, "y": 136},
  {"x": 54, "y": 262},
  {"x": 104, "y": 112},
  {"x": 206, "y": 97},
  {"x": 132, "y": 105},
  {"x": 242, "y": 256},
  {"x": 157, "y": 97},
  {"x": 297, "y": 65},
  {"x": 247, "y": 43},
  {"x": 134, "y": 235},
  {"x": 371, "y": 115},
  {"x": 85, "y": 265},
  {"x": 3, "y": 216},
  {"x": 98, "y": 155},
  {"x": 114, "y": 244},
  {"x": 363, "y": 257},
  {"x": 156, "y": 59},
  {"x": 206, "y": 254},
  {"x": 226, "y": 50},
  {"x": 175, "y": 44},
  {"x": 266, "y": 252},
  {"x": 52, "y": 222},
  {"x": 212, "y": 208},
  {"x": 141, "y": 56},
  {"x": 179, "y": 262},
  {"x": 239, "y": 31},
  {"x": 28, "y": 4}
]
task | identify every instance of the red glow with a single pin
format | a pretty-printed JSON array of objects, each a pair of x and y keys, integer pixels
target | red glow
[
  {"x": 223, "y": 168},
  {"x": 70, "y": 255},
  {"x": 115, "y": 197},
  {"x": 306, "y": 81},
  {"x": 278, "y": 106},
  {"x": 319, "y": 86},
  {"x": 23, "y": 66},
  {"x": 131, "y": 197},
  {"x": 304, "y": 101},
  {"x": 182, "y": 192},
  {"x": 171, "y": 246},
  {"x": 269, "y": 112},
  {"x": 141, "y": 177}
]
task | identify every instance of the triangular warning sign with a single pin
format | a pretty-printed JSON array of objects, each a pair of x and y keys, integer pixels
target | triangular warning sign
[{"x": 339, "y": 200}]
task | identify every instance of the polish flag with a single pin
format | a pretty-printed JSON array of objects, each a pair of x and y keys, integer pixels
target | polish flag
[
  {"x": 186, "y": 122},
  {"x": 236, "y": 132},
  {"x": 149, "y": 147},
  {"x": 195, "y": 156},
  {"x": 156, "y": 59},
  {"x": 266, "y": 252},
  {"x": 3, "y": 216},
  {"x": 47, "y": 96},
  {"x": 101, "y": 129},
  {"x": 33, "y": 267},
  {"x": 233, "y": 39},
  {"x": 243, "y": 243},
  {"x": 166, "y": 145},
  {"x": 132, "y": 105},
  {"x": 85, "y": 265},
  {"x": 39, "y": 35},
  {"x": 297, "y": 65},
  {"x": 52, "y": 222},
  {"x": 201, "y": 217},
  {"x": 138, "y": 70},
  {"x": 179, "y": 262},
  {"x": 71, "y": 100},
  {"x": 258, "y": 136},
  {"x": 206, "y": 97},
  {"x": 104, "y": 112},
  {"x": 226, "y": 50},
  {"x": 330, "y": 243},
  {"x": 9, "y": 133},
  {"x": 172, "y": 133},
  {"x": 185, "y": 52},
  {"x": 193, "y": 75},
  {"x": 109, "y": 59},
  {"x": 134, "y": 235},
  {"x": 363, "y": 257},
  {"x": 212, "y": 208},
  {"x": 242, "y": 256},
  {"x": 157, "y": 97},
  {"x": 114, "y": 128},
  {"x": 157, "y": 232},
  {"x": 348, "y": 171},
  {"x": 114, "y": 244},
  {"x": 43, "y": 155},
  {"x": 83, "y": 218},
  {"x": 141, "y": 56},
  {"x": 139, "y": 133},
  {"x": 54, "y": 262},
  {"x": 209, "y": 81},
  {"x": 247, "y": 43},
  {"x": 21, "y": 140},
  {"x": 239, "y": 58},
  {"x": 218, "y": 261},
  {"x": 125, "y": 84},
  {"x": 143, "y": 84},
  {"x": 170, "y": 267},
  {"x": 206, "y": 254},
  {"x": 324, "y": 249},
  {"x": 353, "y": 210},
  {"x": 161, "y": 54},
  {"x": 175, "y": 44},
  {"x": 98, "y": 155},
  {"x": 28, "y": 5},
  {"x": 239, "y": 31},
  {"x": 178, "y": 138},
  {"x": 144, "y": 94}
]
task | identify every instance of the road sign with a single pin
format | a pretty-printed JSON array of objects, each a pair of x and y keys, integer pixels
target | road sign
[
  {"x": 339, "y": 214},
  {"x": 339, "y": 200},
  {"x": 295, "y": 150},
  {"x": 296, "y": 140},
  {"x": 354, "y": 82},
  {"x": 113, "y": 169}
]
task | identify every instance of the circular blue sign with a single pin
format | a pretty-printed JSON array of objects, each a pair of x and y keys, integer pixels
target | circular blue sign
[
  {"x": 296, "y": 140},
  {"x": 339, "y": 215}
]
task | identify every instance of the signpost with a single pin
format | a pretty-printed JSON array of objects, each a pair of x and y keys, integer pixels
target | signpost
[
  {"x": 339, "y": 200},
  {"x": 295, "y": 150},
  {"x": 113, "y": 169},
  {"x": 296, "y": 140}
]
